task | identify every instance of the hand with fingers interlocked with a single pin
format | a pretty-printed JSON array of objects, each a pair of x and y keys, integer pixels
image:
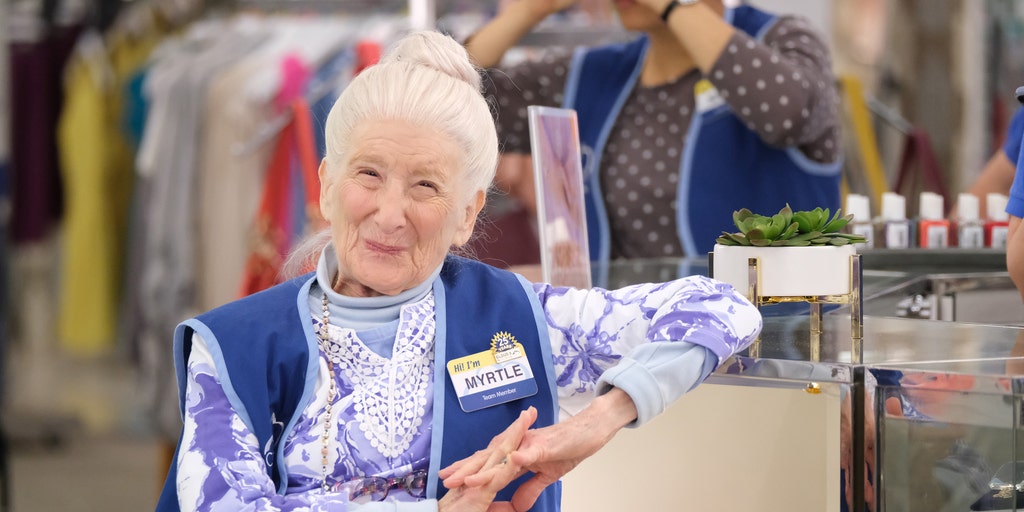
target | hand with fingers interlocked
[
  {"x": 475, "y": 480},
  {"x": 549, "y": 452}
]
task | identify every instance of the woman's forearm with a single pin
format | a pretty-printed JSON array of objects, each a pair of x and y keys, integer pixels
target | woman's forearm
[
  {"x": 1015, "y": 254},
  {"x": 487, "y": 46},
  {"x": 700, "y": 30},
  {"x": 608, "y": 413}
]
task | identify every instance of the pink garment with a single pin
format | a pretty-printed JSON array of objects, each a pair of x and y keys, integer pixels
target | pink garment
[
  {"x": 294, "y": 77},
  {"x": 274, "y": 229}
]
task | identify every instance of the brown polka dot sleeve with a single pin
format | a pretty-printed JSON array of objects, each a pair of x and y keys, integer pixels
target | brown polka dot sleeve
[
  {"x": 784, "y": 88},
  {"x": 533, "y": 82}
]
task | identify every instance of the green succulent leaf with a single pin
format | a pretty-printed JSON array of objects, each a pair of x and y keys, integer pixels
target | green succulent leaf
[
  {"x": 822, "y": 218},
  {"x": 807, "y": 236},
  {"x": 739, "y": 215},
  {"x": 757, "y": 234},
  {"x": 790, "y": 229},
  {"x": 751, "y": 223},
  {"x": 806, "y": 220},
  {"x": 737, "y": 238},
  {"x": 779, "y": 225},
  {"x": 836, "y": 224},
  {"x": 787, "y": 214},
  {"x": 836, "y": 220}
]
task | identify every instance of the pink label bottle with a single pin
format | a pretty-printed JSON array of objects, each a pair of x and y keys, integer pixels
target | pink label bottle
[{"x": 932, "y": 226}]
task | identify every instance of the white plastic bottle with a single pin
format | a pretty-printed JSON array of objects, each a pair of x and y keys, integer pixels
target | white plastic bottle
[
  {"x": 970, "y": 232},
  {"x": 997, "y": 226},
  {"x": 892, "y": 226},
  {"x": 859, "y": 206}
]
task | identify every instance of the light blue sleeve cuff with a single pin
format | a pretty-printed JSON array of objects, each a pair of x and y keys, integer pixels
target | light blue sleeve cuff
[{"x": 656, "y": 374}]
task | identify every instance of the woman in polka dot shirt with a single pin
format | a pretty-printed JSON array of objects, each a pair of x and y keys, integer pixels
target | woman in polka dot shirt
[{"x": 708, "y": 111}]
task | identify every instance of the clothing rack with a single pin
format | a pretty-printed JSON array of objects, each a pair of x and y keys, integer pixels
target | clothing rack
[
  {"x": 270, "y": 132},
  {"x": 422, "y": 15}
]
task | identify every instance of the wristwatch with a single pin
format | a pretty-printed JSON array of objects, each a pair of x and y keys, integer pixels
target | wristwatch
[{"x": 675, "y": 3}]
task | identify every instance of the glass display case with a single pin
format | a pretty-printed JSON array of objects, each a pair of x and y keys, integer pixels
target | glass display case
[
  {"x": 949, "y": 431},
  {"x": 935, "y": 408},
  {"x": 930, "y": 420}
]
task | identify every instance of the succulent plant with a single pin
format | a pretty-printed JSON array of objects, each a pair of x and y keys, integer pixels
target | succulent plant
[{"x": 789, "y": 229}]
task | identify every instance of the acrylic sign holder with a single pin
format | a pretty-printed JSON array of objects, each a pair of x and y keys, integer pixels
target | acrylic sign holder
[{"x": 558, "y": 181}]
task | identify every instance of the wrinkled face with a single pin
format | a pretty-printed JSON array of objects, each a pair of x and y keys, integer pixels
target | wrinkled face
[{"x": 396, "y": 206}]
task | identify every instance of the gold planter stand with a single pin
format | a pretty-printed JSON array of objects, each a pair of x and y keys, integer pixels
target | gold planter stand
[{"x": 853, "y": 298}]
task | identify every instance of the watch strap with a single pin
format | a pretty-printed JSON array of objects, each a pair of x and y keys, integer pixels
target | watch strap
[{"x": 671, "y": 7}]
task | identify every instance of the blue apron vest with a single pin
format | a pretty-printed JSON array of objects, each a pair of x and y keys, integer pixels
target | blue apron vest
[
  {"x": 264, "y": 341},
  {"x": 479, "y": 302},
  {"x": 725, "y": 165}
]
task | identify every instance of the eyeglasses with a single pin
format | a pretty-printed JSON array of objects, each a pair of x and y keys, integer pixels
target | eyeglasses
[{"x": 375, "y": 488}]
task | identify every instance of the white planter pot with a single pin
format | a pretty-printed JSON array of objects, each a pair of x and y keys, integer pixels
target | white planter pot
[{"x": 787, "y": 271}]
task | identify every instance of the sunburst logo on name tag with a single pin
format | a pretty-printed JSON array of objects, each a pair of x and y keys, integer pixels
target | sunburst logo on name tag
[{"x": 505, "y": 346}]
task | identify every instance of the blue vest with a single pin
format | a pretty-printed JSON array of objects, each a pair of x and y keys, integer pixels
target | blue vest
[
  {"x": 264, "y": 342},
  {"x": 725, "y": 165}
]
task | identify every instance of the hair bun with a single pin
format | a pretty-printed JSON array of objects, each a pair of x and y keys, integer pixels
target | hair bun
[{"x": 437, "y": 51}]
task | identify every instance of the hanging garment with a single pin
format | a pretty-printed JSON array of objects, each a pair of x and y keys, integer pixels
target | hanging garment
[
  {"x": 233, "y": 157},
  {"x": 170, "y": 150},
  {"x": 231, "y": 164},
  {"x": 36, "y": 103},
  {"x": 97, "y": 172},
  {"x": 165, "y": 226},
  {"x": 230, "y": 182},
  {"x": 281, "y": 219},
  {"x": 86, "y": 313}
]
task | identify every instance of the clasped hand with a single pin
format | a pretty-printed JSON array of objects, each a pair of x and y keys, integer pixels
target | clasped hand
[{"x": 548, "y": 452}]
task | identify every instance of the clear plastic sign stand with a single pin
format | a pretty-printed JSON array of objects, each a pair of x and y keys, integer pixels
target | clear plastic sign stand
[{"x": 561, "y": 215}]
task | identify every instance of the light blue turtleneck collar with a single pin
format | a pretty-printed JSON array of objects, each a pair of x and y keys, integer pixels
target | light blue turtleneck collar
[{"x": 361, "y": 313}]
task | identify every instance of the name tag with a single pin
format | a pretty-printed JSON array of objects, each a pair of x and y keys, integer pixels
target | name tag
[
  {"x": 706, "y": 96},
  {"x": 501, "y": 374}
]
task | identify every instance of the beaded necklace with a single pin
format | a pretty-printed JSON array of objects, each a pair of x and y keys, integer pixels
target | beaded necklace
[{"x": 332, "y": 393}]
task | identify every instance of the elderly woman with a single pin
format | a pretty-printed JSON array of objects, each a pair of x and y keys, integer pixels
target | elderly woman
[{"x": 399, "y": 377}]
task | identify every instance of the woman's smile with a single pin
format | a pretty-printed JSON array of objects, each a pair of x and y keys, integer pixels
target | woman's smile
[{"x": 384, "y": 248}]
